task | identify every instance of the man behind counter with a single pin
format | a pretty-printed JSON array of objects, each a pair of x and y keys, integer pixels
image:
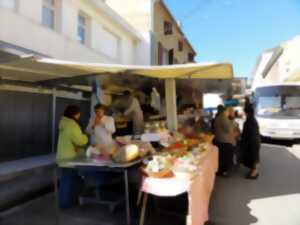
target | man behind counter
[
  {"x": 101, "y": 127},
  {"x": 134, "y": 112}
]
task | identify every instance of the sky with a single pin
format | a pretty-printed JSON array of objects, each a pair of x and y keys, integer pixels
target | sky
[{"x": 236, "y": 31}]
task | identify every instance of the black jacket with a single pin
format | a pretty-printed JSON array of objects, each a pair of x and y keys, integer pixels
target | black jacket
[{"x": 250, "y": 143}]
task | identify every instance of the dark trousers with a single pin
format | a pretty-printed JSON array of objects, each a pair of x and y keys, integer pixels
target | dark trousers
[
  {"x": 69, "y": 187},
  {"x": 226, "y": 152}
]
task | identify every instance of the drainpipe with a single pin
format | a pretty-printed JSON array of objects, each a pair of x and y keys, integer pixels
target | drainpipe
[{"x": 152, "y": 33}]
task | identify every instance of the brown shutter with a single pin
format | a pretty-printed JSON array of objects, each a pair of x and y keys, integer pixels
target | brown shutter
[
  {"x": 160, "y": 54},
  {"x": 171, "y": 57},
  {"x": 180, "y": 46}
]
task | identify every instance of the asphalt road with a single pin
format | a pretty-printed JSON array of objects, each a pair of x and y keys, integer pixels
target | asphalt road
[{"x": 273, "y": 199}]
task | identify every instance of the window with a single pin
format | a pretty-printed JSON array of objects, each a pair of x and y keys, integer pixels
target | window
[
  {"x": 82, "y": 29},
  {"x": 9, "y": 4},
  {"x": 48, "y": 13},
  {"x": 191, "y": 57},
  {"x": 180, "y": 46},
  {"x": 168, "y": 28}
]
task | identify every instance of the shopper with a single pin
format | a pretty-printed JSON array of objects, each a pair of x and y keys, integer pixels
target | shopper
[
  {"x": 220, "y": 110},
  {"x": 225, "y": 140},
  {"x": 251, "y": 142},
  {"x": 233, "y": 115},
  {"x": 70, "y": 142}
]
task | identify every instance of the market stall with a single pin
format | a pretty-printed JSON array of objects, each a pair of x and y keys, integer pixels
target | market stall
[
  {"x": 189, "y": 163},
  {"x": 58, "y": 73}
]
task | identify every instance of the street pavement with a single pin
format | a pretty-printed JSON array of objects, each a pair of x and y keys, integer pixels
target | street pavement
[{"x": 273, "y": 199}]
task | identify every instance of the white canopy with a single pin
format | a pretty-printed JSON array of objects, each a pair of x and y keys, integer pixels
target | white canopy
[{"x": 33, "y": 69}]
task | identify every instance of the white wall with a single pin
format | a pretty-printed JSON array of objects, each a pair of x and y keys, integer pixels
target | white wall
[
  {"x": 138, "y": 14},
  {"x": 115, "y": 46},
  {"x": 69, "y": 20},
  {"x": 289, "y": 63},
  {"x": 285, "y": 66},
  {"x": 143, "y": 51},
  {"x": 31, "y": 9},
  {"x": 106, "y": 37}
]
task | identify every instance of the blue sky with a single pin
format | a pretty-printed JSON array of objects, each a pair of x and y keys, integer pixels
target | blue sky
[{"x": 236, "y": 31}]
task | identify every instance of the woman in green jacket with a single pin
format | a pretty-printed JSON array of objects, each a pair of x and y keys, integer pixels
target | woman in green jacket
[{"x": 70, "y": 142}]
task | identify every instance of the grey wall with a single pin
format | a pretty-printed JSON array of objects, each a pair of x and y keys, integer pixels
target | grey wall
[{"x": 26, "y": 123}]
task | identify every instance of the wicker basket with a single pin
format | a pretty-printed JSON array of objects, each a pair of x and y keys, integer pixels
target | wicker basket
[{"x": 166, "y": 173}]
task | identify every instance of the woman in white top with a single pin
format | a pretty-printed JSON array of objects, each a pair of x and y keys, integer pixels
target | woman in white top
[
  {"x": 101, "y": 127},
  {"x": 135, "y": 113}
]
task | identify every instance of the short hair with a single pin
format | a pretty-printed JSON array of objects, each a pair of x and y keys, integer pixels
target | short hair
[
  {"x": 221, "y": 108},
  {"x": 71, "y": 111},
  {"x": 126, "y": 93},
  {"x": 99, "y": 106}
]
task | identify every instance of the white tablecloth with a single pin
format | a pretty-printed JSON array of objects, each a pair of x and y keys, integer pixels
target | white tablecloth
[{"x": 199, "y": 188}]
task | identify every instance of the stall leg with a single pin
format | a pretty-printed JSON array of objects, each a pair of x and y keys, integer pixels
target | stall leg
[
  {"x": 143, "y": 210},
  {"x": 128, "y": 217},
  {"x": 56, "y": 196},
  {"x": 140, "y": 194}
]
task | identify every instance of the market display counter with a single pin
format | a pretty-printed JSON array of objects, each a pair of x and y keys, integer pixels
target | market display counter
[
  {"x": 199, "y": 188},
  {"x": 191, "y": 165},
  {"x": 83, "y": 163}
]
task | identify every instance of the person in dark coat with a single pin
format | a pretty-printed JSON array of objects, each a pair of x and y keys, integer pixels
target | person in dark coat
[{"x": 251, "y": 142}]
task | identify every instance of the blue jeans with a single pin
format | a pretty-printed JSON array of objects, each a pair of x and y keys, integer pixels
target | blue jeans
[{"x": 69, "y": 188}]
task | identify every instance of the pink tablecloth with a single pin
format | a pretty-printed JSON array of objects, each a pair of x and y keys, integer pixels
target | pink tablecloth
[{"x": 199, "y": 189}]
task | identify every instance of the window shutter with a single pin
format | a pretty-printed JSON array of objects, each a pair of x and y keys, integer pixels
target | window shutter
[
  {"x": 180, "y": 46},
  {"x": 160, "y": 54},
  {"x": 171, "y": 57}
]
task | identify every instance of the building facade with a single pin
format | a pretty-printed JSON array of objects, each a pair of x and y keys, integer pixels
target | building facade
[
  {"x": 164, "y": 41},
  {"x": 277, "y": 65},
  {"x": 75, "y": 30}
]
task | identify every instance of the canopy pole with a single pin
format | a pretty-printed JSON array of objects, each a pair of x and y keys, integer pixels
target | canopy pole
[
  {"x": 95, "y": 97},
  {"x": 53, "y": 139},
  {"x": 171, "y": 106}
]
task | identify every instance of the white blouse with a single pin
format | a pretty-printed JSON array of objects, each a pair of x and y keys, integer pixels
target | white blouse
[{"x": 102, "y": 134}]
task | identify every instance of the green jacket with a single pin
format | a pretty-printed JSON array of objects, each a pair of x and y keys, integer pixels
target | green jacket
[{"x": 70, "y": 140}]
